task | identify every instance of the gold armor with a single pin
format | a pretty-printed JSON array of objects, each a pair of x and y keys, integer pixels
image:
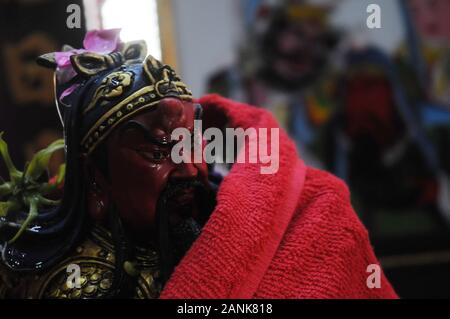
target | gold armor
[{"x": 96, "y": 261}]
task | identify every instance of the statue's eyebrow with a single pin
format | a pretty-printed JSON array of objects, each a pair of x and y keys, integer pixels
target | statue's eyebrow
[{"x": 165, "y": 141}]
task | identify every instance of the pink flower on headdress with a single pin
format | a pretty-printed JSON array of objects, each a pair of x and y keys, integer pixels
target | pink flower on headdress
[{"x": 97, "y": 41}]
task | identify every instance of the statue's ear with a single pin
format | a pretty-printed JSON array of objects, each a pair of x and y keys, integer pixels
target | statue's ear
[
  {"x": 134, "y": 50},
  {"x": 88, "y": 64},
  {"x": 47, "y": 60}
]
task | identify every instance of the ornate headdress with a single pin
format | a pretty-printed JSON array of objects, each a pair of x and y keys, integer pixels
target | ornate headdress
[{"x": 112, "y": 87}]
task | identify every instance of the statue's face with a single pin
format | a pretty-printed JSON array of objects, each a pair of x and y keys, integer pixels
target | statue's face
[
  {"x": 299, "y": 47},
  {"x": 140, "y": 165}
]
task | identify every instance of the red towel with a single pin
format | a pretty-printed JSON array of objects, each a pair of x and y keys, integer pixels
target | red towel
[{"x": 292, "y": 234}]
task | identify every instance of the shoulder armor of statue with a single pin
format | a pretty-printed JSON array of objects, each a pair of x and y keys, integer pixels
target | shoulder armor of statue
[
  {"x": 88, "y": 273},
  {"x": 94, "y": 262}
]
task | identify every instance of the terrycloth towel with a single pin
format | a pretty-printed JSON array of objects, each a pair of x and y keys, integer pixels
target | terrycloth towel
[{"x": 293, "y": 234}]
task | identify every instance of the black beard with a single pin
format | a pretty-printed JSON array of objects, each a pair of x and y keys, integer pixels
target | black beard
[{"x": 177, "y": 229}]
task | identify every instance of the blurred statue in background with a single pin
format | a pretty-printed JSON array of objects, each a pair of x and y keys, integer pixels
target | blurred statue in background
[
  {"x": 383, "y": 149},
  {"x": 285, "y": 67},
  {"x": 392, "y": 124}
]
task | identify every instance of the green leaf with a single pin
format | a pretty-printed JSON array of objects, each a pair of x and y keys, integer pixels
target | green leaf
[
  {"x": 6, "y": 207},
  {"x": 61, "y": 174},
  {"x": 48, "y": 202},
  {"x": 46, "y": 188},
  {"x": 40, "y": 161},
  {"x": 5, "y": 189},
  {"x": 14, "y": 174},
  {"x": 32, "y": 214}
]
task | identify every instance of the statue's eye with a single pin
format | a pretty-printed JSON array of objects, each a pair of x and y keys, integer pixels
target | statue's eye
[
  {"x": 158, "y": 155},
  {"x": 153, "y": 155}
]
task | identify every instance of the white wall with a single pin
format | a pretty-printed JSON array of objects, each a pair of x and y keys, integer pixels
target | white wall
[
  {"x": 207, "y": 33},
  {"x": 352, "y": 16}
]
